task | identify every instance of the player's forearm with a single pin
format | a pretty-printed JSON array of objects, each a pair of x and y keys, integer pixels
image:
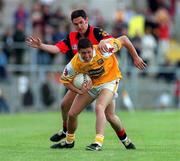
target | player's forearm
[
  {"x": 127, "y": 43},
  {"x": 49, "y": 48},
  {"x": 72, "y": 88}
]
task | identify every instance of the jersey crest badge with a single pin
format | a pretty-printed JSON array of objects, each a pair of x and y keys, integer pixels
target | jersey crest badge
[
  {"x": 74, "y": 47},
  {"x": 65, "y": 72},
  {"x": 103, "y": 33},
  {"x": 100, "y": 61}
]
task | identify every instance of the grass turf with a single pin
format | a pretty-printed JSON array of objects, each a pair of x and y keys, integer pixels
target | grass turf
[{"x": 25, "y": 137}]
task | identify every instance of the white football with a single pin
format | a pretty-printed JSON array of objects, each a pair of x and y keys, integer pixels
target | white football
[{"x": 79, "y": 79}]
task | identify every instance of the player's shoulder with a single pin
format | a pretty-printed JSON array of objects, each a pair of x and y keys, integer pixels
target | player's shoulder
[
  {"x": 100, "y": 31},
  {"x": 72, "y": 34}
]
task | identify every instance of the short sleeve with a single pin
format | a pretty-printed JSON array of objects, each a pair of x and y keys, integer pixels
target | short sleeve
[
  {"x": 64, "y": 45},
  {"x": 68, "y": 73},
  {"x": 100, "y": 34}
]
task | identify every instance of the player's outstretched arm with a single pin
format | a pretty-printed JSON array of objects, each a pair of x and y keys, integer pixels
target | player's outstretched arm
[
  {"x": 138, "y": 62},
  {"x": 36, "y": 42}
]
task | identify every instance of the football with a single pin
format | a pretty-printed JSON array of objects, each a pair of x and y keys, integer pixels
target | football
[{"x": 79, "y": 79}]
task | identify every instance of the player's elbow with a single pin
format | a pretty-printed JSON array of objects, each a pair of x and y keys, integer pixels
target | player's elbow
[
  {"x": 124, "y": 40},
  {"x": 55, "y": 50}
]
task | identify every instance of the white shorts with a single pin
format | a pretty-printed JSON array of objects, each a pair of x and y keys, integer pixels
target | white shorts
[{"x": 112, "y": 86}]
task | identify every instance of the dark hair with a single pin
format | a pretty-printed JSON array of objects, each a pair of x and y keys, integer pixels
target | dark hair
[
  {"x": 78, "y": 13},
  {"x": 84, "y": 43}
]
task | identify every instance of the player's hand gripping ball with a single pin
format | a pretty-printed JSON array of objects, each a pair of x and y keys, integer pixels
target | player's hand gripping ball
[{"x": 79, "y": 79}]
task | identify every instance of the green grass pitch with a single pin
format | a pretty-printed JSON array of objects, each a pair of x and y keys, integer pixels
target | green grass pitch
[{"x": 25, "y": 137}]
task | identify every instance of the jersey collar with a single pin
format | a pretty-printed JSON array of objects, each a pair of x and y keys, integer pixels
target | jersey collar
[{"x": 85, "y": 34}]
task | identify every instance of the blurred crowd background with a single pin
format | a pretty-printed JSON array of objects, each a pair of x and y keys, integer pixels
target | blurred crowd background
[{"x": 29, "y": 77}]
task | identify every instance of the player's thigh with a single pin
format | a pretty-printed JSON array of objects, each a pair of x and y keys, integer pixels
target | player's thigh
[
  {"x": 105, "y": 97},
  {"x": 68, "y": 98},
  {"x": 80, "y": 102}
]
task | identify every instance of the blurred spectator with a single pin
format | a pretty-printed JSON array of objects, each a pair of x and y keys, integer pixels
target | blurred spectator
[
  {"x": 37, "y": 17},
  {"x": 129, "y": 12},
  {"x": 37, "y": 31},
  {"x": 177, "y": 91},
  {"x": 25, "y": 91},
  {"x": 165, "y": 100},
  {"x": 46, "y": 92},
  {"x": 97, "y": 19},
  {"x": 7, "y": 39},
  {"x": 19, "y": 38},
  {"x": 169, "y": 74},
  {"x": 3, "y": 64},
  {"x": 154, "y": 5},
  {"x": 1, "y": 5},
  {"x": 172, "y": 6},
  {"x": 151, "y": 23},
  {"x": 120, "y": 27},
  {"x": 148, "y": 48},
  {"x": 127, "y": 101},
  {"x": 4, "y": 107},
  {"x": 46, "y": 11},
  {"x": 162, "y": 17},
  {"x": 27, "y": 98},
  {"x": 43, "y": 57},
  {"x": 136, "y": 25},
  {"x": 58, "y": 19},
  {"x": 59, "y": 34},
  {"x": 20, "y": 15},
  {"x": 23, "y": 83},
  {"x": 135, "y": 31},
  {"x": 48, "y": 35},
  {"x": 136, "y": 40}
]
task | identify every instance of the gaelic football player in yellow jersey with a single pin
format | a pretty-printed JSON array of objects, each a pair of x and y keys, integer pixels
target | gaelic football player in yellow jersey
[{"x": 105, "y": 74}]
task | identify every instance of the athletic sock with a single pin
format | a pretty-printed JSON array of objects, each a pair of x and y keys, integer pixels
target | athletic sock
[
  {"x": 121, "y": 134},
  {"x": 123, "y": 137},
  {"x": 70, "y": 138},
  {"x": 99, "y": 139}
]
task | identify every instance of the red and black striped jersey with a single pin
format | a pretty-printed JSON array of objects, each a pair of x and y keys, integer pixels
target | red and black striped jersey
[{"x": 69, "y": 44}]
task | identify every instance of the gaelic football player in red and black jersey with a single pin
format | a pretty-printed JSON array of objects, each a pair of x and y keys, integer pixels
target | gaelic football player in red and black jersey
[{"x": 68, "y": 46}]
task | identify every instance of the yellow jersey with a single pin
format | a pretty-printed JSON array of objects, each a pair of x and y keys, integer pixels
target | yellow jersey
[{"x": 102, "y": 68}]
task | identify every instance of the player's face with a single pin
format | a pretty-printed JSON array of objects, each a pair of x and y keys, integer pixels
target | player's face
[
  {"x": 80, "y": 24},
  {"x": 86, "y": 54}
]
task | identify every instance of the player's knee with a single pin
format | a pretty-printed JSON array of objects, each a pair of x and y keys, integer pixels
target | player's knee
[
  {"x": 72, "y": 114},
  {"x": 63, "y": 105},
  {"x": 99, "y": 108}
]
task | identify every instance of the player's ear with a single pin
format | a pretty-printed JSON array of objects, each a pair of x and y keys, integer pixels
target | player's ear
[{"x": 86, "y": 20}]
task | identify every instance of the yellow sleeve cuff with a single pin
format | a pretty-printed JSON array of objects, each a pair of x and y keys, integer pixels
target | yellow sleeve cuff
[{"x": 117, "y": 44}]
